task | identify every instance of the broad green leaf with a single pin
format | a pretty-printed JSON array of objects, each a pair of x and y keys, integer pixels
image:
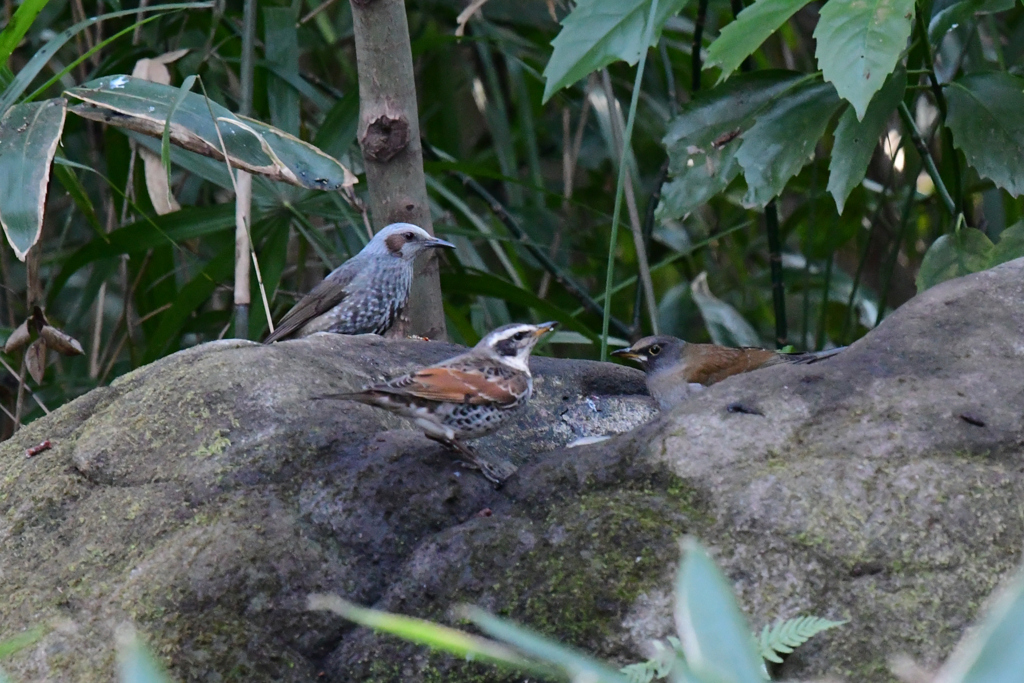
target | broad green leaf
[
  {"x": 193, "y": 295},
  {"x": 577, "y": 665},
  {"x": 783, "y": 138},
  {"x": 702, "y": 140},
  {"x": 994, "y": 651},
  {"x": 136, "y": 663},
  {"x": 855, "y": 141},
  {"x": 338, "y": 131},
  {"x": 950, "y": 256},
  {"x": 43, "y": 56},
  {"x": 597, "y": 33},
  {"x": 966, "y": 252},
  {"x": 281, "y": 46},
  {"x": 29, "y": 134},
  {"x": 986, "y": 116},
  {"x": 859, "y": 43},
  {"x": 70, "y": 182},
  {"x": 739, "y": 39},
  {"x": 716, "y": 640},
  {"x": 143, "y": 106},
  {"x": 18, "y": 27},
  {"x": 944, "y": 19},
  {"x": 1010, "y": 246},
  {"x": 420, "y": 631},
  {"x": 724, "y": 323},
  {"x": 143, "y": 235},
  {"x": 485, "y": 284}
]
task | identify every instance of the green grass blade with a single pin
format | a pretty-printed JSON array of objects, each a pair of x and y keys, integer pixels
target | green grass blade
[
  {"x": 21, "y": 22},
  {"x": 620, "y": 183}
]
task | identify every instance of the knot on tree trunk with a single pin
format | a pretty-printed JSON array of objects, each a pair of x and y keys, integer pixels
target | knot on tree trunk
[{"x": 385, "y": 137}]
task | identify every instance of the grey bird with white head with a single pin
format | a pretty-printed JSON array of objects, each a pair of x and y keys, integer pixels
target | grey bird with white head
[{"x": 366, "y": 293}]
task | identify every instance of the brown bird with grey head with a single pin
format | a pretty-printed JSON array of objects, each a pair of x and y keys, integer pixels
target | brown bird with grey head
[
  {"x": 366, "y": 293},
  {"x": 676, "y": 369},
  {"x": 465, "y": 397}
]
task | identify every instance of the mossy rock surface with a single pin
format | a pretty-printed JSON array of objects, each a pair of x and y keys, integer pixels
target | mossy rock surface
[{"x": 203, "y": 497}]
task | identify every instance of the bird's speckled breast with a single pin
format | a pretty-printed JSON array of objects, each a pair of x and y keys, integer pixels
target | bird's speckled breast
[{"x": 379, "y": 294}]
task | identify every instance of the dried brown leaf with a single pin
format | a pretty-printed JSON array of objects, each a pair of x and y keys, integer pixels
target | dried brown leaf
[
  {"x": 35, "y": 360},
  {"x": 60, "y": 341},
  {"x": 18, "y": 338}
]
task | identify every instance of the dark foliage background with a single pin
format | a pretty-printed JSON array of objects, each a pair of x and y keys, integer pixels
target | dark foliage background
[{"x": 133, "y": 285}]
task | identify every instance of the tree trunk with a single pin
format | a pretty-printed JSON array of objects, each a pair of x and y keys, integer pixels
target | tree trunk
[{"x": 389, "y": 134}]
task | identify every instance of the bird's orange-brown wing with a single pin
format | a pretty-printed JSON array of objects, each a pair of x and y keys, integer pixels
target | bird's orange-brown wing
[
  {"x": 708, "y": 363},
  {"x": 457, "y": 385}
]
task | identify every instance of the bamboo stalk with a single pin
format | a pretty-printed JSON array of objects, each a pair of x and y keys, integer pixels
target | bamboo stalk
[{"x": 621, "y": 149}]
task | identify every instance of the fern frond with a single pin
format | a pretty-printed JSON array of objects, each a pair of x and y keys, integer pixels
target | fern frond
[
  {"x": 785, "y": 636},
  {"x": 641, "y": 672},
  {"x": 657, "y": 667}
]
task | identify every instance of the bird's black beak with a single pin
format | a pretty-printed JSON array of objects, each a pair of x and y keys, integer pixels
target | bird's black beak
[{"x": 435, "y": 242}]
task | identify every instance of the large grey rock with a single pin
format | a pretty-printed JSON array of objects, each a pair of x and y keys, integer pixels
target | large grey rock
[{"x": 203, "y": 497}]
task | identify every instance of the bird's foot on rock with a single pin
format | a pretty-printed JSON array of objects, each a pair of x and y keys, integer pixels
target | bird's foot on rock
[{"x": 471, "y": 460}]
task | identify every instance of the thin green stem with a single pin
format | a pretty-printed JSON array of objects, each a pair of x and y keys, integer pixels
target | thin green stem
[
  {"x": 698, "y": 44},
  {"x": 926, "y": 157},
  {"x": 771, "y": 220},
  {"x": 560, "y": 276},
  {"x": 940, "y": 101},
  {"x": 883, "y": 294},
  {"x": 620, "y": 183}
]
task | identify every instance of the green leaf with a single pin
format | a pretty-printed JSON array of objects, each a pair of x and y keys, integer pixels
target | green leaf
[
  {"x": 968, "y": 251},
  {"x": 986, "y": 116},
  {"x": 136, "y": 663},
  {"x": 597, "y": 33},
  {"x": 433, "y": 635},
  {"x": 70, "y": 182},
  {"x": 790, "y": 634},
  {"x": 716, "y": 640},
  {"x": 338, "y": 131},
  {"x": 703, "y": 139},
  {"x": 485, "y": 284},
  {"x": 29, "y": 134},
  {"x": 753, "y": 25},
  {"x": 281, "y": 45},
  {"x": 859, "y": 43},
  {"x": 19, "y": 642},
  {"x": 43, "y": 56},
  {"x": 855, "y": 141},
  {"x": 165, "y": 135},
  {"x": 945, "y": 18},
  {"x": 144, "y": 107},
  {"x": 962, "y": 253},
  {"x": 576, "y": 665},
  {"x": 1011, "y": 245},
  {"x": 193, "y": 295},
  {"x": 19, "y": 26},
  {"x": 146, "y": 234},
  {"x": 725, "y": 324},
  {"x": 994, "y": 651},
  {"x": 783, "y": 139}
]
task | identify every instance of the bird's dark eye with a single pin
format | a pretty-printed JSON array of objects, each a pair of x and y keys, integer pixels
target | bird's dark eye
[
  {"x": 654, "y": 350},
  {"x": 519, "y": 336},
  {"x": 409, "y": 237}
]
